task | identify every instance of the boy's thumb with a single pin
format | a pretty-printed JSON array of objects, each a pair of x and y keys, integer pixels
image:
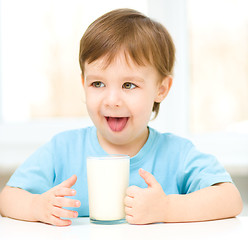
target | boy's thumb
[
  {"x": 148, "y": 177},
  {"x": 69, "y": 182}
]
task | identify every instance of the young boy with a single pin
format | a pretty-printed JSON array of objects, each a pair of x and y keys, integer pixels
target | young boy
[{"x": 127, "y": 62}]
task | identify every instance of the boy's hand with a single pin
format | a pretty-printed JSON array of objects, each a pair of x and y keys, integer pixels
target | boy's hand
[
  {"x": 147, "y": 205},
  {"x": 49, "y": 205}
]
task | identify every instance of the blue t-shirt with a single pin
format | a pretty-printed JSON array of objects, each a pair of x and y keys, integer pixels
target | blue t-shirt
[{"x": 174, "y": 161}]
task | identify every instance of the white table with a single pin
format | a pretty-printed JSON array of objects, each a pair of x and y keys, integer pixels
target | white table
[{"x": 81, "y": 228}]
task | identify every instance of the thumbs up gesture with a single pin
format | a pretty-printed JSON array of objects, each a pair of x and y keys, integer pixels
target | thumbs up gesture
[
  {"x": 143, "y": 206},
  {"x": 48, "y": 207}
]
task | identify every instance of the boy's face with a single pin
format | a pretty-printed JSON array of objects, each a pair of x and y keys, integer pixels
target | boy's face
[{"x": 120, "y": 99}]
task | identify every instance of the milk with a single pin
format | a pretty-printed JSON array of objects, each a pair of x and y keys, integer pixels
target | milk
[{"x": 108, "y": 179}]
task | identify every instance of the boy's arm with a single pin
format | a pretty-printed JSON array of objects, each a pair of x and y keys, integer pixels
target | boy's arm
[
  {"x": 16, "y": 203},
  {"x": 47, "y": 207},
  {"x": 216, "y": 202},
  {"x": 152, "y": 205}
]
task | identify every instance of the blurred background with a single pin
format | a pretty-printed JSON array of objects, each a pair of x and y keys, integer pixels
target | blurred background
[{"x": 40, "y": 85}]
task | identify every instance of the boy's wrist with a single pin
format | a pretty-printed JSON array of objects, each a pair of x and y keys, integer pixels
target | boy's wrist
[
  {"x": 174, "y": 210},
  {"x": 167, "y": 208},
  {"x": 35, "y": 207}
]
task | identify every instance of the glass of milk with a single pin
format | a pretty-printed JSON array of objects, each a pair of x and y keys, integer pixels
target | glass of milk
[{"x": 108, "y": 179}]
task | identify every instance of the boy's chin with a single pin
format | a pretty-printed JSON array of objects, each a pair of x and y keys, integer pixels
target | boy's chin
[{"x": 117, "y": 138}]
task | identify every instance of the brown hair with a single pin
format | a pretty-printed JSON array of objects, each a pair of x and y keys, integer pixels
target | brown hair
[{"x": 142, "y": 39}]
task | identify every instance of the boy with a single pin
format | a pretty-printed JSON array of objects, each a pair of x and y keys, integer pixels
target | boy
[{"x": 127, "y": 62}]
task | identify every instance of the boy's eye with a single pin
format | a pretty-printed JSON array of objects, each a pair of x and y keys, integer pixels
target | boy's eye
[
  {"x": 129, "y": 85},
  {"x": 98, "y": 84}
]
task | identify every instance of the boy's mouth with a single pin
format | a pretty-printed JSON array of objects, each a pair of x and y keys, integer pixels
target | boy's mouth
[{"x": 117, "y": 124}]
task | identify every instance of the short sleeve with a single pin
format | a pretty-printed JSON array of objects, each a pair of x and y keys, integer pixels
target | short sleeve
[
  {"x": 201, "y": 170},
  {"x": 36, "y": 174}
]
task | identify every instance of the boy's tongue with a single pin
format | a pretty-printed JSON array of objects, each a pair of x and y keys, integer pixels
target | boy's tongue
[{"x": 117, "y": 123}]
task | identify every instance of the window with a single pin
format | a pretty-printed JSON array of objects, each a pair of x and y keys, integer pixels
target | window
[
  {"x": 218, "y": 83},
  {"x": 218, "y": 32}
]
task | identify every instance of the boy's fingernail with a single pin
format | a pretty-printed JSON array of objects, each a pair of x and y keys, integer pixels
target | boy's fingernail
[
  {"x": 77, "y": 203},
  {"x": 73, "y": 192}
]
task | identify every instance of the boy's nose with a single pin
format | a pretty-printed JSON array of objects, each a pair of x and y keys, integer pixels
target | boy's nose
[{"x": 113, "y": 98}]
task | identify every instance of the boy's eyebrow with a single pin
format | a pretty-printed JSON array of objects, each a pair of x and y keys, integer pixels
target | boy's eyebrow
[
  {"x": 93, "y": 77},
  {"x": 133, "y": 78},
  {"x": 129, "y": 78}
]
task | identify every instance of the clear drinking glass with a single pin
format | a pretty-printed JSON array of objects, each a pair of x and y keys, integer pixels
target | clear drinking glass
[{"x": 108, "y": 179}]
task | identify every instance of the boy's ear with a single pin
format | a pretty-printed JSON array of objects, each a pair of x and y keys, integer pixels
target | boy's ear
[
  {"x": 164, "y": 88},
  {"x": 82, "y": 79}
]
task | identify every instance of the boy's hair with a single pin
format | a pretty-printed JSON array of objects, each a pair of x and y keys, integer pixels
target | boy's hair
[{"x": 142, "y": 39}]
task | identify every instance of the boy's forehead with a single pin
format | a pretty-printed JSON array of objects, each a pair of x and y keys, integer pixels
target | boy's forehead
[
  {"x": 120, "y": 66},
  {"x": 122, "y": 58}
]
